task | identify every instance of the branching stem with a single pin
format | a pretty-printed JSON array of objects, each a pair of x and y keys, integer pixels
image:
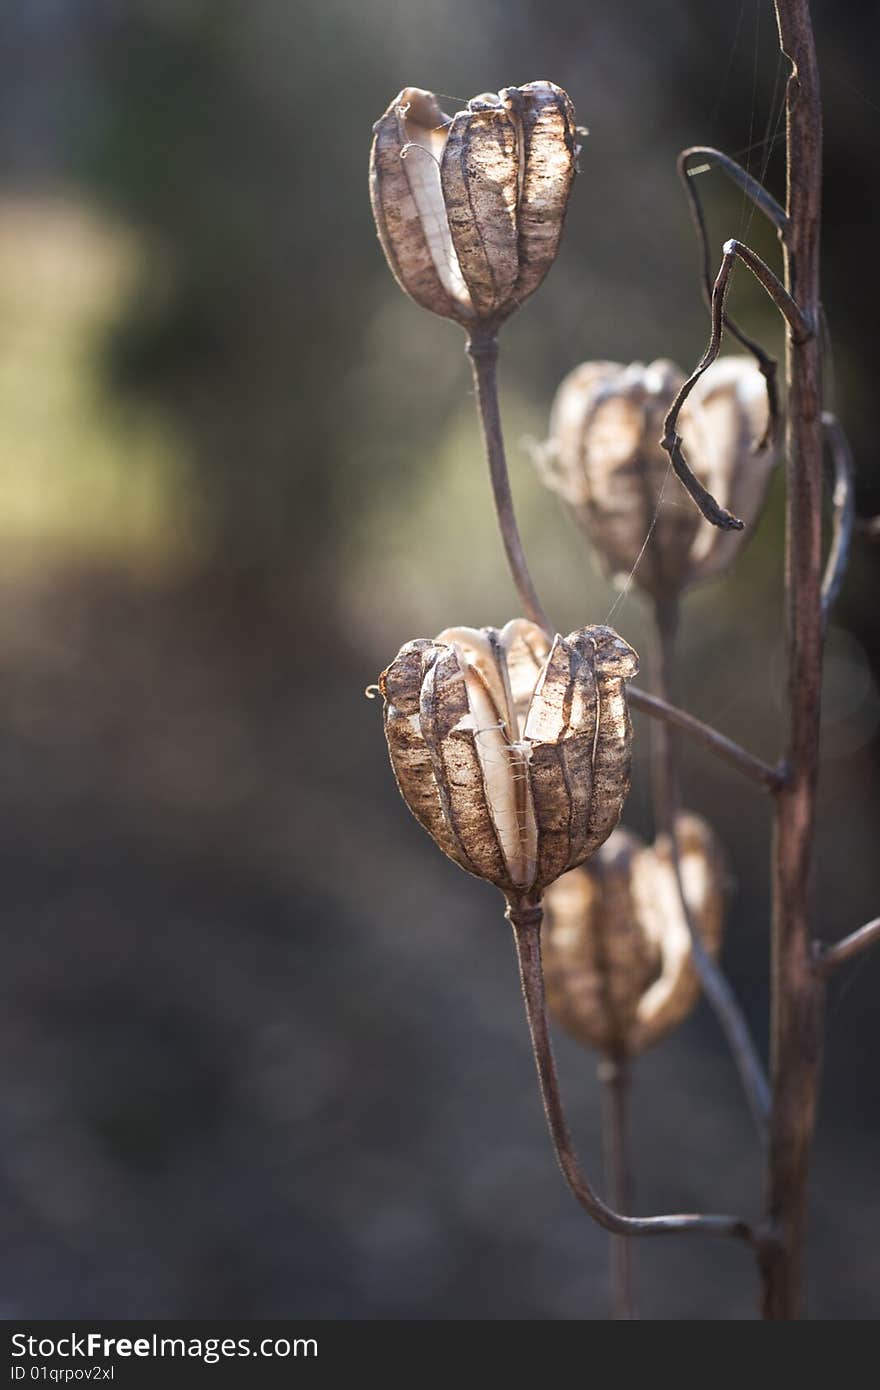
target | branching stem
[
  {"x": 761, "y": 773},
  {"x": 828, "y": 958}
]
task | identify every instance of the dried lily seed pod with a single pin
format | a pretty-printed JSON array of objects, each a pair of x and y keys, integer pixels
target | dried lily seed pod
[
  {"x": 470, "y": 208},
  {"x": 617, "y": 950},
  {"x": 513, "y": 752},
  {"x": 604, "y": 458}
]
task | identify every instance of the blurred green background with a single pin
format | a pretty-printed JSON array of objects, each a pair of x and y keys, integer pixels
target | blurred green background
[{"x": 262, "y": 1046}]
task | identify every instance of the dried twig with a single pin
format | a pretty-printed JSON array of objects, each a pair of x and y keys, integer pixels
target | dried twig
[
  {"x": 671, "y": 440},
  {"x": 769, "y": 206},
  {"x": 526, "y": 922},
  {"x": 770, "y": 778},
  {"x": 828, "y": 958},
  {"x": 753, "y": 190},
  {"x": 798, "y": 322}
]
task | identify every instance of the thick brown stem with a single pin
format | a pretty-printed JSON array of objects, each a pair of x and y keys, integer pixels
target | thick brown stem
[
  {"x": 797, "y": 993},
  {"x": 667, "y": 803},
  {"x": 483, "y": 352},
  {"x": 613, "y": 1076}
]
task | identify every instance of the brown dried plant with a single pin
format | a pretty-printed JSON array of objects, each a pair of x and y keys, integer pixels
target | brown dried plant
[
  {"x": 512, "y": 752},
  {"x": 605, "y": 459},
  {"x": 511, "y": 747},
  {"x": 618, "y": 957}
]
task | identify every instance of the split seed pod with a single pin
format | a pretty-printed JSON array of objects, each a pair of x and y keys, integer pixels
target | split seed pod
[
  {"x": 618, "y": 959},
  {"x": 512, "y": 752},
  {"x": 469, "y": 208},
  {"x": 604, "y": 458}
]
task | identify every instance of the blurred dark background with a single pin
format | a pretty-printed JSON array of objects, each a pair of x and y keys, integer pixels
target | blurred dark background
[{"x": 262, "y": 1047}]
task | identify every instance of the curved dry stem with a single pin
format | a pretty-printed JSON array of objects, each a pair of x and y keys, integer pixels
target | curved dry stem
[
  {"x": 843, "y": 506},
  {"x": 801, "y": 332},
  {"x": 483, "y": 352},
  {"x": 754, "y": 191},
  {"x": 716, "y": 986},
  {"x": 767, "y": 363},
  {"x": 671, "y": 441},
  {"x": 787, "y": 305},
  {"x": 525, "y": 919}
]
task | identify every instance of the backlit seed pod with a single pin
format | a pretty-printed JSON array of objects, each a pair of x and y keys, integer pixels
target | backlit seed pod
[
  {"x": 617, "y": 950},
  {"x": 513, "y": 752},
  {"x": 469, "y": 208},
  {"x": 604, "y": 458}
]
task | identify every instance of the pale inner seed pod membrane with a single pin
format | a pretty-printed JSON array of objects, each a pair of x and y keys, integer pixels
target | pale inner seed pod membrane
[
  {"x": 497, "y": 715},
  {"x": 425, "y": 128}
]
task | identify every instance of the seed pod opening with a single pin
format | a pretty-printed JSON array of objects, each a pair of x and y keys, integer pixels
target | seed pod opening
[
  {"x": 470, "y": 208},
  {"x": 617, "y": 949},
  {"x": 604, "y": 458},
  {"x": 513, "y": 752}
]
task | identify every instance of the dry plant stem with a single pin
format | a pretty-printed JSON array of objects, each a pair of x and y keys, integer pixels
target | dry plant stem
[
  {"x": 797, "y": 995},
  {"x": 761, "y": 773},
  {"x": 753, "y": 190},
  {"x": 843, "y": 511},
  {"x": 525, "y": 918},
  {"x": 828, "y": 958},
  {"x": 769, "y": 206},
  {"x": 671, "y": 440},
  {"x": 787, "y": 305},
  {"x": 800, "y": 331},
  {"x": 613, "y": 1074},
  {"x": 482, "y": 348},
  {"x": 715, "y": 984}
]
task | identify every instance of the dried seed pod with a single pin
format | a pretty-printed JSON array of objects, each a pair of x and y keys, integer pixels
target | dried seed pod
[
  {"x": 617, "y": 949},
  {"x": 470, "y": 208},
  {"x": 513, "y": 752},
  {"x": 605, "y": 460}
]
